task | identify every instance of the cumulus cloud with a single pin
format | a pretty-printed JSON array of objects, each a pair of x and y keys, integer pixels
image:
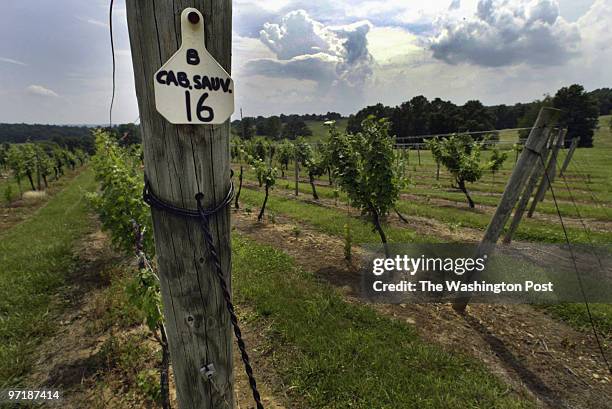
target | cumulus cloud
[
  {"x": 39, "y": 90},
  {"x": 307, "y": 49},
  {"x": 504, "y": 32}
]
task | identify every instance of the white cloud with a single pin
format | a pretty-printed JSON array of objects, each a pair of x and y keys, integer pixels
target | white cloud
[
  {"x": 11, "y": 61},
  {"x": 504, "y": 32},
  {"x": 39, "y": 90},
  {"x": 308, "y": 49}
]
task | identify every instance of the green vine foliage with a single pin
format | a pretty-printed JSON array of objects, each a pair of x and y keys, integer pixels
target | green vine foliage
[
  {"x": 285, "y": 153},
  {"x": 460, "y": 155},
  {"x": 120, "y": 206},
  {"x": 145, "y": 294},
  {"x": 365, "y": 168},
  {"x": 119, "y": 202},
  {"x": 302, "y": 151},
  {"x": 36, "y": 161},
  {"x": 497, "y": 160}
]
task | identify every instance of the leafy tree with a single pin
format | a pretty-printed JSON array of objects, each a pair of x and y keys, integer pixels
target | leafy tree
[
  {"x": 517, "y": 148},
  {"x": 260, "y": 148},
  {"x": 44, "y": 164},
  {"x": 237, "y": 147},
  {"x": 28, "y": 155},
  {"x": 285, "y": 152},
  {"x": 4, "y": 155},
  {"x": 119, "y": 203},
  {"x": 435, "y": 147},
  {"x": 531, "y": 114},
  {"x": 125, "y": 215},
  {"x": 14, "y": 160},
  {"x": 266, "y": 174},
  {"x": 247, "y": 128},
  {"x": 302, "y": 151},
  {"x": 461, "y": 157},
  {"x": 580, "y": 114},
  {"x": 273, "y": 127},
  {"x": 81, "y": 156},
  {"x": 58, "y": 166},
  {"x": 126, "y": 134},
  {"x": 604, "y": 99},
  {"x": 445, "y": 117},
  {"x": 316, "y": 167},
  {"x": 476, "y": 118},
  {"x": 363, "y": 167},
  {"x": 496, "y": 161},
  {"x": 294, "y": 128},
  {"x": 379, "y": 111}
]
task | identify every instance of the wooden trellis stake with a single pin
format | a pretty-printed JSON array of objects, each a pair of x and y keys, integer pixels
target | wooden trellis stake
[
  {"x": 297, "y": 176},
  {"x": 535, "y": 176},
  {"x": 568, "y": 158},
  {"x": 536, "y": 142},
  {"x": 549, "y": 174},
  {"x": 180, "y": 161}
]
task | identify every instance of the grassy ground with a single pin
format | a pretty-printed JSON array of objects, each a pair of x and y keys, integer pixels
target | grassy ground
[
  {"x": 332, "y": 221},
  {"x": 36, "y": 257},
  {"x": 336, "y": 355},
  {"x": 320, "y": 132},
  {"x": 454, "y": 217}
]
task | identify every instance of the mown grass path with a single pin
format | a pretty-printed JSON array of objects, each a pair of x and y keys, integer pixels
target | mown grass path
[
  {"x": 335, "y": 354},
  {"x": 36, "y": 256}
]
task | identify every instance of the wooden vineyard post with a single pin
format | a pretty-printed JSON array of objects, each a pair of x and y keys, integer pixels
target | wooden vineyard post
[
  {"x": 297, "y": 176},
  {"x": 530, "y": 156},
  {"x": 180, "y": 161},
  {"x": 419, "y": 152},
  {"x": 568, "y": 158},
  {"x": 535, "y": 176},
  {"x": 549, "y": 173}
]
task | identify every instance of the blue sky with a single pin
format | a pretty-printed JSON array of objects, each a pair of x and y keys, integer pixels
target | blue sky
[{"x": 318, "y": 55}]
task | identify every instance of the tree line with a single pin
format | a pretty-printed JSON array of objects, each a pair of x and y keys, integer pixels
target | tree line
[
  {"x": 278, "y": 127},
  {"x": 419, "y": 116},
  {"x": 66, "y": 136}
]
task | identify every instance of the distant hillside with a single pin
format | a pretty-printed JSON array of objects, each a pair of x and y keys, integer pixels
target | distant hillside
[
  {"x": 19, "y": 133},
  {"x": 64, "y": 135}
]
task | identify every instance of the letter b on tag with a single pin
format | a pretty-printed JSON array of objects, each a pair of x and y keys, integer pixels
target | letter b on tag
[{"x": 192, "y": 57}]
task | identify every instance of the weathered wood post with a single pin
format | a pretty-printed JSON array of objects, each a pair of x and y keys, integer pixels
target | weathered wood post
[
  {"x": 297, "y": 176},
  {"x": 549, "y": 173},
  {"x": 419, "y": 152},
  {"x": 535, "y": 176},
  {"x": 536, "y": 142},
  {"x": 180, "y": 161},
  {"x": 568, "y": 158}
]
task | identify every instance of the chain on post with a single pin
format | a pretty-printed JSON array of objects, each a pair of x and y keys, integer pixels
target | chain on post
[{"x": 204, "y": 215}]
